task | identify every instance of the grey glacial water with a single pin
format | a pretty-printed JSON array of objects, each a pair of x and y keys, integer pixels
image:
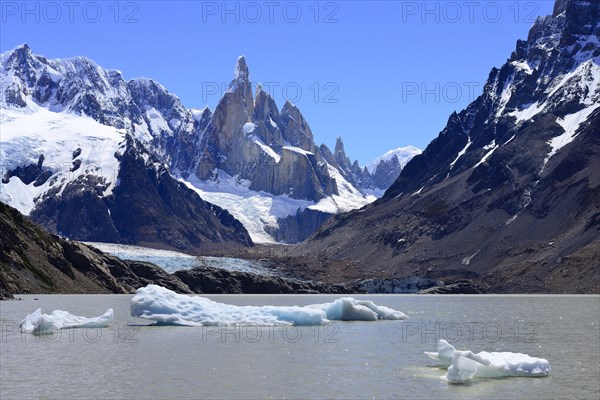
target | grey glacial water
[{"x": 346, "y": 360}]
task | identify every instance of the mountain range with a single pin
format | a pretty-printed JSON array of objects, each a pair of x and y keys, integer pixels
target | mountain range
[
  {"x": 94, "y": 157},
  {"x": 505, "y": 199}
]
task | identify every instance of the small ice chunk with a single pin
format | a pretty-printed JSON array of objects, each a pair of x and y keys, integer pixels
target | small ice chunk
[
  {"x": 167, "y": 307},
  {"x": 44, "y": 324},
  {"x": 466, "y": 365}
]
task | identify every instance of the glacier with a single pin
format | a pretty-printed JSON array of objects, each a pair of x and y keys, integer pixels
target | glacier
[
  {"x": 465, "y": 365},
  {"x": 258, "y": 210},
  {"x": 46, "y": 324},
  {"x": 56, "y": 136},
  {"x": 172, "y": 261},
  {"x": 167, "y": 307}
]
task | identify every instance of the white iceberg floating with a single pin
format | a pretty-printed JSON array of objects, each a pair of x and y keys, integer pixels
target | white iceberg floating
[
  {"x": 466, "y": 365},
  {"x": 44, "y": 324},
  {"x": 167, "y": 307}
]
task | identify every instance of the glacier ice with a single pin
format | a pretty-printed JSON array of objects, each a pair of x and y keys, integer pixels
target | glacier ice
[
  {"x": 444, "y": 354},
  {"x": 350, "y": 309},
  {"x": 466, "y": 365},
  {"x": 167, "y": 307},
  {"x": 45, "y": 324}
]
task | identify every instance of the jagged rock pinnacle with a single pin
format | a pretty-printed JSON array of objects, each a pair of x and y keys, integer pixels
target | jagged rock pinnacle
[{"x": 241, "y": 69}]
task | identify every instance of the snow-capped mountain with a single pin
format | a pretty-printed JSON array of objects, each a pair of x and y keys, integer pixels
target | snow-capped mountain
[
  {"x": 403, "y": 154},
  {"x": 68, "y": 118},
  {"x": 75, "y": 156},
  {"x": 377, "y": 176},
  {"x": 262, "y": 164},
  {"x": 508, "y": 191},
  {"x": 383, "y": 171}
]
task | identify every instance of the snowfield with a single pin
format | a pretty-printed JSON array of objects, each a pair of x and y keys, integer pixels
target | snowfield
[
  {"x": 570, "y": 123},
  {"x": 35, "y": 131}
]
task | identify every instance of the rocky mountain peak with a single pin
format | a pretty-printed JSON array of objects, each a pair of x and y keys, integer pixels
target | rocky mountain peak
[
  {"x": 20, "y": 51},
  {"x": 265, "y": 108},
  {"x": 339, "y": 145},
  {"x": 288, "y": 107},
  {"x": 259, "y": 88},
  {"x": 241, "y": 69},
  {"x": 340, "y": 155},
  {"x": 200, "y": 114},
  {"x": 241, "y": 87},
  {"x": 295, "y": 128},
  {"x": 23, "y": 63}
]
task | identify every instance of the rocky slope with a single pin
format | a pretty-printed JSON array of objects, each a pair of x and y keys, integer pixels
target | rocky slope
[
  {"x": 34, "y": 261},
  {"x": 509, "y": 190},
  {"x": 206, "y": 280},
  {"x": 147, "y": 207}
]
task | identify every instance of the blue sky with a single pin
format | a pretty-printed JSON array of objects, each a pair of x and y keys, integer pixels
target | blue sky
[{"x": 380, "y": 74}]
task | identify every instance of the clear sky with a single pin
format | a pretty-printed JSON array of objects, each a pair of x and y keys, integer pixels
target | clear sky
[{"x": 380, "y": 74}]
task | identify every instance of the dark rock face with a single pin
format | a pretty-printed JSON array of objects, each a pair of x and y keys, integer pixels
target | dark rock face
[
  {"x": 34, "y": 261},
  {"x": 208, "y": 281},
  {"x": 296, "y": 228},
  {"x": 240, "y": 129},
  {"x": 29, "y": 173},
  {"x": 148, "y": 206},
  {"x": 490, "y": 194},
  {"x": 79, "y": 212},
  {"x": 386, "y": 173}
]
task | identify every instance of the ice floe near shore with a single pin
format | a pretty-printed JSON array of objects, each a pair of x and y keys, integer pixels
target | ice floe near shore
[
  {"x": 167, "y": 307},
  {"x": 466, "y": 365},
  {"x": 45, "y": 324}
]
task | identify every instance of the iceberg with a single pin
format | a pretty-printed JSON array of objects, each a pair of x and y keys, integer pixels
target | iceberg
[
  {"x": 466, "y": 365},
  {"x": 350, "y": 309},
  {"x": 44, "y": 324},
  {"x": 167, "y": 307},
  {"x": 444, "y": 354}
]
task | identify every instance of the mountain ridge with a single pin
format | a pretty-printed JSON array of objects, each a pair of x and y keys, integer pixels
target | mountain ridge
[
  {"x": 258, "y": 150},
  {"x": 508, "y": 191}
]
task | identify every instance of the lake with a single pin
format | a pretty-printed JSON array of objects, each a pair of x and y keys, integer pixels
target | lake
[{"x": 345, "y": 360}]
